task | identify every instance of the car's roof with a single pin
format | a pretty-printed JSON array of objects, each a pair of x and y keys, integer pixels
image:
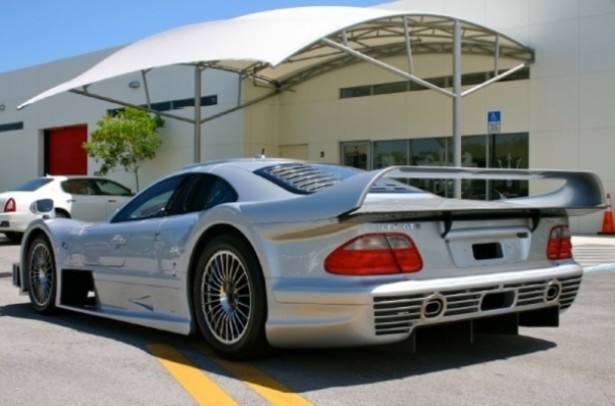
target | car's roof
[
  {"x": 250, "y": 164},
  {"x": 67, "y": 177}
]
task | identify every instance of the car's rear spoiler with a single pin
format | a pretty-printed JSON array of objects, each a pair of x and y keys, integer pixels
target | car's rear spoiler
[{"x": 577, "y": 192}]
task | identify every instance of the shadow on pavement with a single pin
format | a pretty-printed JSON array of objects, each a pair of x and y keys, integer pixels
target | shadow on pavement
[{"x": 314, "y": 369}]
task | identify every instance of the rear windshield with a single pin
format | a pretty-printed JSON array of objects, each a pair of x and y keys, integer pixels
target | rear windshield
[
  {"x": 310, "y": 178},
  {"x": 32, "y": 185}
]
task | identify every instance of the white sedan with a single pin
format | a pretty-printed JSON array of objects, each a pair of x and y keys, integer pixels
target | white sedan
[{"x": 83, "y": 198}]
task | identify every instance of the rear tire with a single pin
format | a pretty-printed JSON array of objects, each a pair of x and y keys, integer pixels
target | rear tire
[
  {"x": 42, "y": 275},
  {"x": 229, "y": 299}
]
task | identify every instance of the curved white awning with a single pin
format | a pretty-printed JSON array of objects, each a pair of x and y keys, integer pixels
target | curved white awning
[{"x": 287, "y": 46}]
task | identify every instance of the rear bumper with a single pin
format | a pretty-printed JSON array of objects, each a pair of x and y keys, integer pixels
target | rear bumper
[
  {"x": 17, "y": 222},
  {"x": 389, "y": 312}
]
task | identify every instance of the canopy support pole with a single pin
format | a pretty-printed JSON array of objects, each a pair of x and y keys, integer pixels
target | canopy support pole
[
  {"x": 197, "y": 113},
  {"x": 457, "y": 103}
]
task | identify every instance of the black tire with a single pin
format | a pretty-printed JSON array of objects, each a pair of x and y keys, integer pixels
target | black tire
[
  {"x": 42, "y": 275},
  {"x": 14, "y": 236},
  {"x": 229, "y": 299},
  {"x": 62, "y": 214}
]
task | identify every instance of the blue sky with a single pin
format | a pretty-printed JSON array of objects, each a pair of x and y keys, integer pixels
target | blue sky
[{"x": 40, "y": 31}]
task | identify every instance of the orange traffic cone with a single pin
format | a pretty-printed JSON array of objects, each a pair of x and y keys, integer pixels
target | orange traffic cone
[{"x": 607, "y": 220}]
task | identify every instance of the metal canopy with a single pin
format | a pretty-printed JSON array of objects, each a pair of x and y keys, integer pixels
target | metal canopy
[{"x": 285, "y": 47}]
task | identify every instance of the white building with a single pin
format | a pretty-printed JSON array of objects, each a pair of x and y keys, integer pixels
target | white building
[{"x": 556, "y": 113}]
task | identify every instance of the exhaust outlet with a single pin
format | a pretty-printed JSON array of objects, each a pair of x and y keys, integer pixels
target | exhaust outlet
[
  {"x": 554, "y": 289},
  {"x": 433, "y": 307}
]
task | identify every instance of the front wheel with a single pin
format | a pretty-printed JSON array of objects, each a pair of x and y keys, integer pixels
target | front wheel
[
  {"x": 229, "y": 299},
  {"x": 42, "y": 275}
]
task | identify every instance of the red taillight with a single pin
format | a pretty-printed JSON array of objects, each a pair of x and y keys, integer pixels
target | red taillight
[
  {"x": 559, "y": 245},
  {"x": 10, "y": 205},
  {"x": 375, "y": 254}
]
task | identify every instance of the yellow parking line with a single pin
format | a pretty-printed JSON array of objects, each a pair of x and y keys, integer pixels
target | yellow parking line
[
  {"x": 194, "y": 381},
  {"x": 270, "y": 389}
]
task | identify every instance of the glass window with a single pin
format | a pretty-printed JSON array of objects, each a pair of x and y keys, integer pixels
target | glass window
[
  {"x": 473, "y": 78},
  {"x": 417, "y": 86},
  {"x": 152, "y": 202},
  {"x": 388, "y": 88},
  {"x": 32, "y": 185},
  {"x": 77, "y": 187},
  {"x": 442, "y": 81},
  {"x": 202, "y": 192},
  {"x": 433, "y": 152},
  {"x": 356, "y": 154},
  {"x": 107, "y": 187},
  {"x": 389, "y": 153},
  {"x": 510, "y": 151},
  {"x": 521, "y": 74},
  {"x": 358, "y": 91},
  {"x": 11, "y": 126},
  {"x": 473, "y": 155},
  {"x": 506, "y": 151}
]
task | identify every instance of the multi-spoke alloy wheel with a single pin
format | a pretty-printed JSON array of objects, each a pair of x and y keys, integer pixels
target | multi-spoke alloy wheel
[
  {"x": 229, "y": 298},
  {"x": 41, "y": 274}
]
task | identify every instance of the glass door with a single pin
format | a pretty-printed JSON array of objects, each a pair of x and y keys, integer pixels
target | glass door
[{"x": 356, "y": 154}]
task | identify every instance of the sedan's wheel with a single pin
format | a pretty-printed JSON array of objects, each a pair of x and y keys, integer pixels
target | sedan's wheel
[
  {"x": 229, "y": 299},
  {"x": 13, "y": 236},
  {"x": 41, "y": 273}
]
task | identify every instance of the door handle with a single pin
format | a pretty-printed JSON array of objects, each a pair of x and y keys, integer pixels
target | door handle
[{"x": 117, "y": 241}]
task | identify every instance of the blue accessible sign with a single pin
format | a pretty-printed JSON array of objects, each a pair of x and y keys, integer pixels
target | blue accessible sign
[{"x": 494, "y": 122}]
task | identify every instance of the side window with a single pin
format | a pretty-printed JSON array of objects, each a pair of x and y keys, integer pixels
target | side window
[
  {"x": 153, "y": 202},
  {"x": 77, "y": 187},
  {"x": 203, "y": 192},
  {"x": 220, "y": 192},
  {"x": 109, "y": 188}
]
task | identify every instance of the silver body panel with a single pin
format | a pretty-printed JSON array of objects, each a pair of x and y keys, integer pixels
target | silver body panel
[{"x": 141, "y": 269}]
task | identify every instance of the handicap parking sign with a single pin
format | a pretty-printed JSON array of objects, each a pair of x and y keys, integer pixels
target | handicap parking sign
[{"x": 494, "y": 122}]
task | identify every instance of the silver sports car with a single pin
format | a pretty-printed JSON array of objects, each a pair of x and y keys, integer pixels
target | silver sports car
[{"x": 261, "y": 253}]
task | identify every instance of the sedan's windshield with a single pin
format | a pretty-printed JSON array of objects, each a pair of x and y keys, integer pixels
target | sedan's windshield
[{"x": 32, "y": 185}]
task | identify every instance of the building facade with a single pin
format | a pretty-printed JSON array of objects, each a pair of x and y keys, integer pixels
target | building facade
[{"x": 555, "y": 114}]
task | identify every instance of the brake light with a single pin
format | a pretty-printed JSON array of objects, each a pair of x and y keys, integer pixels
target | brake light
[
  {"x": 375, "y": 254},
  {"x": 560, "y": 244},
  {"x": 10, "y": 205}
]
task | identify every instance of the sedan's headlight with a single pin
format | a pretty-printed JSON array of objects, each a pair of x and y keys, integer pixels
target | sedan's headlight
[{"x": 41, "y": 206}]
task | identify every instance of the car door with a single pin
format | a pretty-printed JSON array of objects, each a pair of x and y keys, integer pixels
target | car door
[
  {"x": 120, "y": 250},
  {"x": 82, "y": 202},
  {"x": 143, "y": 217},
  {"x": 200, "y": 193},
  {"x": 113, "y": 194}
]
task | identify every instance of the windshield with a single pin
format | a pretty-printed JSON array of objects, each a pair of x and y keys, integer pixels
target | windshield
[
  {"x": 302, "y": 178},
  {"x": 32, "y": 185}
]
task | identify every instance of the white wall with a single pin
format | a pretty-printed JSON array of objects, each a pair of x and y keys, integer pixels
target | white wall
[
  {"x": 566, "y": 106},
  {"x": 21, "y": 152},
  {"x": 571, "y": 109}
]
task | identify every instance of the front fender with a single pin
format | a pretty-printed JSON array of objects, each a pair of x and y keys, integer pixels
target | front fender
[{"x": 56, "y": 231}]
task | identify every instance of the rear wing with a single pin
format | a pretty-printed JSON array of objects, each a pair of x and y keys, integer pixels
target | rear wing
[
  {"x": 580, "y": 189},
  {"x": 576, "y": 192}
]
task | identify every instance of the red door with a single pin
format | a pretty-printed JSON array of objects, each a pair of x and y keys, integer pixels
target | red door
[{"x": 65, "y": 154}]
